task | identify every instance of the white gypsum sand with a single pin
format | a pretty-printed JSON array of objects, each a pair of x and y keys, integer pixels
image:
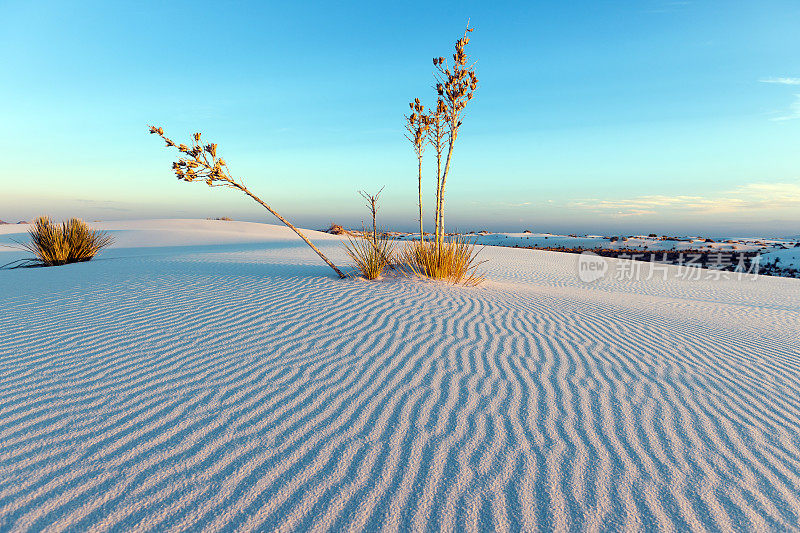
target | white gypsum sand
[{"x": 215, "y": 375}]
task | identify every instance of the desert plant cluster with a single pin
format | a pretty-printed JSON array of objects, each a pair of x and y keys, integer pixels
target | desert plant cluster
[
  {"x": 54, "y": 244},
  {"x": 442, "y": 257},
  {"x": 371, "y": 251}
]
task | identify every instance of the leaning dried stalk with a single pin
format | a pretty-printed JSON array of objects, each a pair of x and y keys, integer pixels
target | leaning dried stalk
[{"x": 200, "y": 162}]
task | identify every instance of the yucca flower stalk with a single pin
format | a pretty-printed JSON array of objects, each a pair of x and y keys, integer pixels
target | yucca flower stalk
[
  {"x": 417, "y": 126},
  {"x": 372, "y": 205},
  {"x": 437, "y": 136},
  {"x": 200, "y": 162},
  {"x": 455, "y": 86}
]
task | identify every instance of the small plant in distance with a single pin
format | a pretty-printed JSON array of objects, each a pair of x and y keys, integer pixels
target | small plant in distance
[
  {"x": 371, "y": 252},
  {"x": 200, "y": 162},
  {"x": 59, "y": 244}
]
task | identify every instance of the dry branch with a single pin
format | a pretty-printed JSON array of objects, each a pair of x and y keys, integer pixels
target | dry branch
[{"x": 200, "y": 162}]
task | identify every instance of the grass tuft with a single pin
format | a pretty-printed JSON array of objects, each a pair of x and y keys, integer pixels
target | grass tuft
[
  {"x": 69, "y": 242},
  {"x": 454, "y": 260},
  {"x": 370, "y": 255}
]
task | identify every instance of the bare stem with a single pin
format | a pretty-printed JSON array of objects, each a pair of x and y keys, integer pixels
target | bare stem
[
  {"x": 293, "y": 228},
  {"x": 421, "y": 233},
  {"x": 201, "y": 163},
  {"x": 372, "y": 205}
]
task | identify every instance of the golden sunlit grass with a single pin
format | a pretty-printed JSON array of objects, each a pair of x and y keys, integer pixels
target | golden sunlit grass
[
  {"x": 69, "y": 242},
  {"x": 371, "y": 255},
  {"x": 454, "y": 260},
  {"x": 371, "y": 251}
]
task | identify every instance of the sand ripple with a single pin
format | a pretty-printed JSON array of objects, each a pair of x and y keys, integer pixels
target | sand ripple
[{"x": 245, "y": 390}]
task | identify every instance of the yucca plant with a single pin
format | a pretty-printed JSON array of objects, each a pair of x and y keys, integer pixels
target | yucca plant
[
  {"x": 455, "y": 87},
  {"x": 447, "y": 259},
  {"x": 454, "y": 260},
  {"x": 200, "y": 162},
  {"x": 59, "y": 244},
  {"x": 370, "y": 255},
  {"x": 371, "y": 251},
  {"x": 82, "y": 241}
]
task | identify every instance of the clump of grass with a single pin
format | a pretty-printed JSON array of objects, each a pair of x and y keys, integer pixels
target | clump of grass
[
  {"x": 69, "y": 242},
  {"x": 371, "y": 253},
  {"x": 454, "y": 260}
]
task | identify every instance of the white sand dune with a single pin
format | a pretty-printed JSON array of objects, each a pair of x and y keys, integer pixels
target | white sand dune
[{"x": 207, "y": 375}]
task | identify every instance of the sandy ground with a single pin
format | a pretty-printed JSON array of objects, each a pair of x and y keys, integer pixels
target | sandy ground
[{"x": 211, "y": 375}]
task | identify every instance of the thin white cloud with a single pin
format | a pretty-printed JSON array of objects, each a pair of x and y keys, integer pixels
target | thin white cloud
[
  {"x": 632, "y": 213},
  {"x": 751, "y": 197},
  {"x": 782, "y": 81},
  {"x": 771, "y": 194},
  {"x": 794, "y": 110}
]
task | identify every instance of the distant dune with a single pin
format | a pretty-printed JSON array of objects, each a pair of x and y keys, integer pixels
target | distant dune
[{"x": 214, "y": 375}]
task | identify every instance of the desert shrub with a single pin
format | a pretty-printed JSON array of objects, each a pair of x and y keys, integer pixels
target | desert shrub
[
  {"x": 335, "y": 229},
  {"x": 58, "y": 244},
  {"x": 454, "y": 260},
  {"x": 370, "y": 254},
  {"x": 371, "y": 251},
  {"x": 82, "y": 241},
  {"x": 69, "y": 242},
  {"x": 48, "y": 244}
]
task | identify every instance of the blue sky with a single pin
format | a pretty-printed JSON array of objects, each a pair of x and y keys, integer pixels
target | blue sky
[{"x": 664, "y": 116}]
